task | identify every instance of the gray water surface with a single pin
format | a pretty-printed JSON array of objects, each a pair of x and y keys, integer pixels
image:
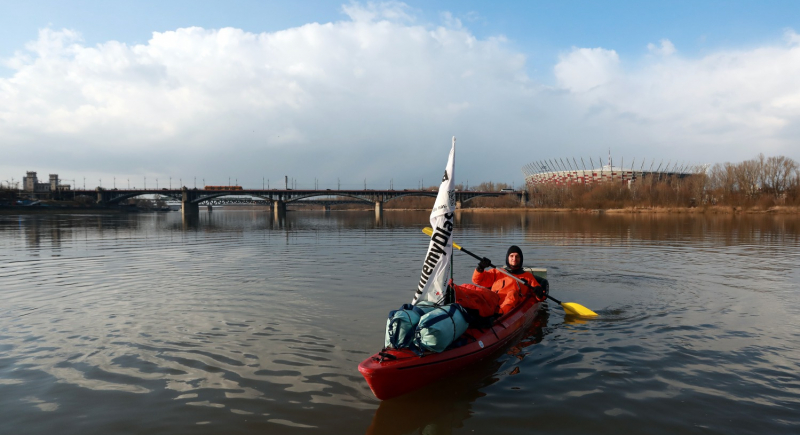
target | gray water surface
[{"x": 233, "y": 323}]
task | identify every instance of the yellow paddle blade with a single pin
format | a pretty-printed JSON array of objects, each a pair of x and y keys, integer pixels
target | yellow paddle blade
[
  {"x": 429, "y": 232},
  {"x": 577, "y": 309}
]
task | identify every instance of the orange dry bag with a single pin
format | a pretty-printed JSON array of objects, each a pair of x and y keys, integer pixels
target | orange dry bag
[{"x": 481, "y": 299}]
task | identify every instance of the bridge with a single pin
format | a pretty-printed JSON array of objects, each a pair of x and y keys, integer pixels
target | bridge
[
  {"x": 191, "y": 199},
  {"x": 326, "y": 202}
]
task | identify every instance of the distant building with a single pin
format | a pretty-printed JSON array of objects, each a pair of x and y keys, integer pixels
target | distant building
[
  {"x": 556, "y": 171},
  {"x": 31, "y": 184}
]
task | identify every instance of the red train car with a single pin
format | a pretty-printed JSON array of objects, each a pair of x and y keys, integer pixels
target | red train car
[{"x": 223, "y": 188}]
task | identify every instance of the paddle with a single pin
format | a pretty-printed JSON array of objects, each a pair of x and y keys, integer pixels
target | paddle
[{"x": 569, "y": 307}]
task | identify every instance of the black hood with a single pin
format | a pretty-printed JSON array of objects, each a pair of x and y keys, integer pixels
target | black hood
[{"x": 515, "y": 248}]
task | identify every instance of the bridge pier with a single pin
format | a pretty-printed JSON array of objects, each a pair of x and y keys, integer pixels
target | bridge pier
[
  {"x": 378, "y": 209},
  {"x": 459, "y": 205},
  {"x": 523, "y": 198},
  {"x": 188, "y": 208},
  {"x": 279, "y": 209}
]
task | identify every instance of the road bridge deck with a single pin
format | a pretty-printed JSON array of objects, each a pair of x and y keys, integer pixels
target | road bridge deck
[{"x": 192, "y": 198}]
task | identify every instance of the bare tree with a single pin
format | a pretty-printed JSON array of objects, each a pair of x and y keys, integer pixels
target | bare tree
[
  {"x": 747, "y": 175},
  {"x": 777, "y": 173}
]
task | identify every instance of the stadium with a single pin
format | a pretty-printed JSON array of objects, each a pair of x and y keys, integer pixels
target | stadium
[{"x": 563, "y": 172}]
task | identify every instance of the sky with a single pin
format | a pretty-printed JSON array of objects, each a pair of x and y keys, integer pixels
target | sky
[{"x": 346, "y": 94}]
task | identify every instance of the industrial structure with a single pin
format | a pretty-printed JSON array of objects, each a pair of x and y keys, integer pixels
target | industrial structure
[
  {"x": 31, "y": 184},
  {"x": 560, "y": 172}
]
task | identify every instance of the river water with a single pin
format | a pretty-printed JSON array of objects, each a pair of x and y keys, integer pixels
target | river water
[{"x": 233, "y": 323}]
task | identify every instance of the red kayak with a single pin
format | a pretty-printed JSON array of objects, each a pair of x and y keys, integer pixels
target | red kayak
[{"x": 394, "y": 372}]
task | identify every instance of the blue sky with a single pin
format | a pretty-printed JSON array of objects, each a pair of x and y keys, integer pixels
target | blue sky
[{"x": 704, "y": 82}]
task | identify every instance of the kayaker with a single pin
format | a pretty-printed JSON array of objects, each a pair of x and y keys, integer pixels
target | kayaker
[{"x": 511, "y": 292}]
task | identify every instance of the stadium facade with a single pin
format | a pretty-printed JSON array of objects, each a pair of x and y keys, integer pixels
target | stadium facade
[{"x": 562, "y": 172}]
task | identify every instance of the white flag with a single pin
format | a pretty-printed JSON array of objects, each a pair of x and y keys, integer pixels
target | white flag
[{"x": 436, "y": 266}]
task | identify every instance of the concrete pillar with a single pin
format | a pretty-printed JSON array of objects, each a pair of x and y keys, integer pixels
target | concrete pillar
[
  {"x": 458, "y": 205},
  {"x": 378, "y": 209},
  {"x": 279, "y": 209},
  {"x": 188, "y": 208},
  {"x": 523, "y": 198}
]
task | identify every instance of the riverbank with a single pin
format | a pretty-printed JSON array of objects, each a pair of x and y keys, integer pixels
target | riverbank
[
  {"x": 29, "y": 210},
  {"x": 646, "y": 210},
  {"x": 710, "y": 210}
]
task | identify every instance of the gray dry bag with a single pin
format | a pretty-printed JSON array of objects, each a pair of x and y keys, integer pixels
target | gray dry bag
[
  {"x": 402, "y": 323},
  {"x": 440, "y": 327}
]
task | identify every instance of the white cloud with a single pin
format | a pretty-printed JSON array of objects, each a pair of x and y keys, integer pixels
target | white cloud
[
  {"x": 728, "y": 105},
  {"x": 586, "y": 68},
  {"x": 351, "y": 98},
  {"x": 791, "y": 37},
  {"x": 667, "y": 48},
  {"x": 371, "y": 11},
  {"x": 450, "y": 21},
  {"x": 375, "y": 96}
]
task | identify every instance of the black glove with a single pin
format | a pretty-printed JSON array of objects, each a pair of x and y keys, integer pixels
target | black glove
[
  {"x": 543, "y": 290},
  {"x": 484, "y": 263}
]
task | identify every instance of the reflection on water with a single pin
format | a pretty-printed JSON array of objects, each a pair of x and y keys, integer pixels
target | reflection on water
[{"x": 240, "y": 323}]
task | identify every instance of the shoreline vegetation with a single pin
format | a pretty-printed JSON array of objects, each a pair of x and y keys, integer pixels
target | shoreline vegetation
[{"x": 642, "y": 210}]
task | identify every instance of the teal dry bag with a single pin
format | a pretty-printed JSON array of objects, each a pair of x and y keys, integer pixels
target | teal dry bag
[
  {"x": 401, "y": 324},
  {"x": 440, "y": 327}
]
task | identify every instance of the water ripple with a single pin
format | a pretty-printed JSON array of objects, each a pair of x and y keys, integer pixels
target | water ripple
[{"x": 238, "y": 324}]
